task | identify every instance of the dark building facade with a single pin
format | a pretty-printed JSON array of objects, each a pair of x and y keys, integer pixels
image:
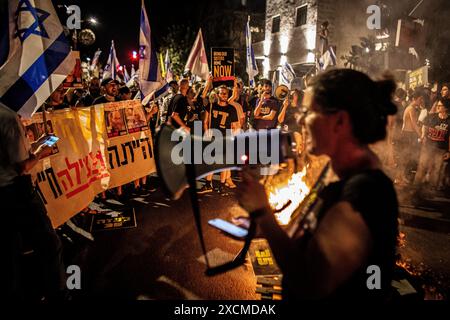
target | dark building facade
[{"x": 292, "y": 30}]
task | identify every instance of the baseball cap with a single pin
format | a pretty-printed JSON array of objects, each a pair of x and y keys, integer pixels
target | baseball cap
[{"x": 109, "y": 80}]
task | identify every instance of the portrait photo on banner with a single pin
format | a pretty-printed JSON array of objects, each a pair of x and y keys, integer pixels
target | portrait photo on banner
[
  {"x": 115, "y": 120},
  {"x": 136, "y": 120},
  {"x": 34, "y": 129}
]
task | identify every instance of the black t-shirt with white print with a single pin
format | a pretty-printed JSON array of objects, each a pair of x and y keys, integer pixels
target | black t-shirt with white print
[
  {"x": 437, "y": 130},
  {"x": 222, "y": 117}
]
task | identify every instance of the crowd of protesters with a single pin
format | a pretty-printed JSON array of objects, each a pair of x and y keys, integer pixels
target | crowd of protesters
[
  {"x": 417, "y": 143},
  {"x": 417, "y": 136},
  {"x": 420, "y": 138}
]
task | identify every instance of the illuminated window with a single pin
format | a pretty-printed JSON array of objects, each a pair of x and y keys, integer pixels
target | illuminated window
[
  {"x": 276, "y": 24},
  {"x": 301, "y": 16}
]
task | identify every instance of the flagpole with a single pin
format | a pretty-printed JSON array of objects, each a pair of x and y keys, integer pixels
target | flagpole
[{"x": 248, "y": 25}]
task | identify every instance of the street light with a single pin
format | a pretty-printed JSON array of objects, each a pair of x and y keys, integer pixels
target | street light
[{"x": 92, "y": 20}]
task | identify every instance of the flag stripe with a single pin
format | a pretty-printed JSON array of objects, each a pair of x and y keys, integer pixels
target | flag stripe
[
  {"x": 153, "y": 72},
  {"x": 4, "y": 35},
  {"x": 251, "y": 68},
  {"x": 37, "y": 74}
]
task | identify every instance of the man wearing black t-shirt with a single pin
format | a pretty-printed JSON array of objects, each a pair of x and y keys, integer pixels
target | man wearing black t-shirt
[
  {"x": 267, "y": 108},
  {"x": 436, "y": 146},
  {"x": 221, "y": 116},
  {"x": 178, "y": 107}
]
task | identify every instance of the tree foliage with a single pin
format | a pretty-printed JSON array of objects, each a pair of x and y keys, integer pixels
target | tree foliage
[{"x": 178, "y": 40}]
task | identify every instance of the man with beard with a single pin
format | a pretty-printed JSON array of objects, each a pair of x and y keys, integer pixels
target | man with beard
[
  {"x": 221, "y": 115},
  {"x": 267, "y": 108},
  {"x": 111, "y": 91}
]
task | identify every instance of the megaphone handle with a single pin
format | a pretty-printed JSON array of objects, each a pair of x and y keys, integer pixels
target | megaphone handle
[{"x": 190, "y": 172}]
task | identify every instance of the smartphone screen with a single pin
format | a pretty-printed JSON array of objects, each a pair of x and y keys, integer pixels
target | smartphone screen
[
  {"x": 228, "y": 228},
  {"x": 51, "y": 141}
]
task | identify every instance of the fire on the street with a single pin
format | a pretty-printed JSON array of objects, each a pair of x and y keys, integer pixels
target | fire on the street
[{"x": 291, "y": 194}]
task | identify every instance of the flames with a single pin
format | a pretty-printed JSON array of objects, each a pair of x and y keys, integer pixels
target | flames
[{"x": 288, "y": 196}]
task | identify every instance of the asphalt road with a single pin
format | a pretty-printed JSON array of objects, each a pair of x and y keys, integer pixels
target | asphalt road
[{"x": 161, "y": 257}]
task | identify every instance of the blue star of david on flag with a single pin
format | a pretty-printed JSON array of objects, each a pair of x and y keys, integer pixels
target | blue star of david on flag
[{"x": 37, "y": 27}]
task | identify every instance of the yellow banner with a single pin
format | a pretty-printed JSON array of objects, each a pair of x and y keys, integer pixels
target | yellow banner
[{"x": 100, "y": 147}]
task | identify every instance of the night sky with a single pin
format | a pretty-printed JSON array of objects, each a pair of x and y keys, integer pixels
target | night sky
[{"x": 119, "y": 21}]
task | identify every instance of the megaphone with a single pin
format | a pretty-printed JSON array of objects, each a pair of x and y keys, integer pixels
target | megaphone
[
  {"x": 282, "y": 92},
  {"x": 264, "y": 147},
  {"x": 177, "y": 175}
]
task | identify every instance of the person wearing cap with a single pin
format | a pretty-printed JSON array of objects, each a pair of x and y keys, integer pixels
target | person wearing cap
[
  {"x": 111, "y": 89},
  {"x": 267, "y": 108}
]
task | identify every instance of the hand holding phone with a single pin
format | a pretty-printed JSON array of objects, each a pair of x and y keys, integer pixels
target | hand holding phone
[{"x": 50, "y": 141}]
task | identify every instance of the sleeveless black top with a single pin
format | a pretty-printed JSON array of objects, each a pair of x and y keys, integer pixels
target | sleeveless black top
[{"x": 372, "y": 194}]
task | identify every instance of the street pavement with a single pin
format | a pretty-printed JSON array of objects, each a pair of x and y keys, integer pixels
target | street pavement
[{"x": 161, "y": 257}]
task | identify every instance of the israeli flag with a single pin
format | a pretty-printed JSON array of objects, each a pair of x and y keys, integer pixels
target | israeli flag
[
  {"x": 133, "y": 72},
  {"x": 35, "y": 56},
  {"x": 95, "y": 59},
  {"x": 327, "y": 59},
  {"x": 110, "y": 70},
  {"x": 126, "y": 76},
  {"x": 150, "y": 78},
  {"x": 168, "y": 66},
  {"x": 252, "y": 68},
  {"x": 287, "y": 74}
]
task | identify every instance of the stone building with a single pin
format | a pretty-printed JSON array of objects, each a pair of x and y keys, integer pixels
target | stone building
[{"x": 292, "y": 31}]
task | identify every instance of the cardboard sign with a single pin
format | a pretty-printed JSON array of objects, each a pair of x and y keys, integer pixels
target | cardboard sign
[
  {"x": 263, "y": 262},
  {"x": 222, "y": 60},
  {"x": 74, "y": 79},
  {"x": 417, "y": 78},
  {"x": 114, "y": 220}
]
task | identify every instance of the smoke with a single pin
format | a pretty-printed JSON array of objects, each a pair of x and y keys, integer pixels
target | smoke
[{"x": 436, "y": 14}]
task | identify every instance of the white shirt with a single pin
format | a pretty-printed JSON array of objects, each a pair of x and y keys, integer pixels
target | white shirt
[{"x": 14, "y": 145}]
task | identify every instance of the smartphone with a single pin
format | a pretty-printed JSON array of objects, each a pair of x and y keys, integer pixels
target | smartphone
[
  {"x": 51, "y": 140},
  {"x": 228, "y": 227}
]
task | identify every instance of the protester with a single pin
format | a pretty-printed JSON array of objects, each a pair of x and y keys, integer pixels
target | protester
[
  {"x": 178, "y": 107},
  {"x": 195, "y": 110},
  {"x": 111, "y": 91},
  {"x": 436, "y": 147},
  {"x": 172, "y": 91},
  {"x": 56, "y": 100},
  {"x": 91, "y": 94},
  {"x": 267, "y": 108},
  {"x": 411, "y": 132},
  {"x": 349, "y": 227},
  {"x": 221, "y": 116},
  {"x": 25, "y": 215},
  {"x": 124, "y": 93},
  {"x": 291, "y": 117},
  {"x": 445, "y": 94},
  {"x": 240, "y": 98}
]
